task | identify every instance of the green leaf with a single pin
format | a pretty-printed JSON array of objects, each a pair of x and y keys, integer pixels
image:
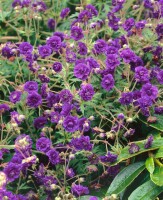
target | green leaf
[
  {"x": 157, "y": 125},
  {"x": 150, "y": 165},
  {"x": 88, "y": 197},
  {"x": 157, "y": 176},
  {"x": 147, "y": 191},
  {"x": 159, "y": 153},
  {"x": 125, "y": 178},
  {"x": 124, "y": 154}
]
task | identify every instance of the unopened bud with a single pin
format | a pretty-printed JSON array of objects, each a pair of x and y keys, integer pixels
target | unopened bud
[
  {"x": 91, "y": 118},
  {"x": 60, "y": 122},
  {"x": 81, "y": 180},
  {"x": 125, "y": 46},
  {"x": 54, "y": 186},
  {"x": 79, "y": 8},
  {"x": 129, "y": 120},
  {"x": 72, "y": 156}
]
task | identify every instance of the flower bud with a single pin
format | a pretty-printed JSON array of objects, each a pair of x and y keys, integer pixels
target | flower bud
[
  {"x": 71, "y": 156},
  {"x": 79, "y": 8},
  {"x": 58, "y": 198},
  {"x": 60, "y": 122},
  {"x": 91, "y": 118},
  {"x": 3, "y": 179},
  {"x": 53, "y": 186},
  {"x": 14, "y": 125},
  {"x": 129, "y": 120},
  {"x": 125, "y": 46},
  {"x": 81, "y": 180},
  {"x": 21, "y": 117}
]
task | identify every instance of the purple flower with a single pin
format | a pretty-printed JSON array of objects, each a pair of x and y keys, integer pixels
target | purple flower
[
  {"x": 77, "y": 33},
  {"x": 136, "y": 62},
  {"x": 44, "y": 51},
  {"x": 120, "y": 116},
  {"x": 134, "y": 148},
  {"x": 160, "y": 76},
  {"x": 52, "y": 99},
  {"x": 159, "y": 30},
  {"x": 149, "y": 91},
  {"x": 141, "y": 74},
  {"x": 127, "y": 55},
  {"x": 65, "y": 96},
  {"x": 55, "y": 117},
  {"x": 126, "y": 98},
  {"x": 66, "y": 109},
  {"x": 34, "y": 100},
  {"x": 6, "y": 52},
  {"x": 159, "y": 110},
  {"x": 149, "y": 142},
  {"x": 79, "y": 190},
  {"x": 64, "y": 12},
  {"x": 40, "y": 173},
  {"x": 39, "y": 122},
  {"x": 154, "y": 71},
  {"x": 23, "y": 143},
  {"x": 129, "y": 133},
  {"x": 15, "y": 96},
  {"x": 107, "y": 82},
  {"x": 57, "y": 67},
  {"x": 111, "y": 50},
  {"x": 51, "y": 23},
  {"x": 54, "y": 43},
  {"x": 25, "y": 48},
  {"x": 82, "y": 143},
  {"x": 129, "y": 23},
  {"x": 82, "y": 48},
  {"x": 70, "y": 124},
  {"x": 59, "y": 34},
  {"x": 7, "y": 195},
  {"x": 92, "y": 9},
  {"x": 16, "y": 3},
  {"x": 84, "y": 124},
  {"x": 70, "y": 173},
  {"x": 140, "y": 24},
  {"x": 12, "y": 171},
  {"x": 148, "y": 4},
  {"x": 70, "y": 56},
  {"x": 26, "y": 3},
  {"x": 39, "y": 6},
  {"x": 110, "y": 157},
  {"x": 53, "y": 156},
  {"x": 49, "y": 182},
  {"x": 44, "y": 89},
  {"x": 144, "y": 102},
  {"x": 31, "y": 86},
  {"x": 84, "y": 16},
  {"x": 86, "y": 93},
  {"x": 4, "y": 108},
  {"x": 81, "y": 71},
  {"x": 16, "y": 117},
  {"x": 112, "y": 61},
  {"x": 113, "y": 21},
  {"x": 100, "y": 46},
  {"x": 113, "y": 170},
  {"x": 43, "y": 78},
  {"x": 43, "y": 144},
  {"x": 92, "y": 63}
]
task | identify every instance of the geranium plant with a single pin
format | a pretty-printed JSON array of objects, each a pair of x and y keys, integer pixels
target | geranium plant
[{"x": 81, "y": 100}]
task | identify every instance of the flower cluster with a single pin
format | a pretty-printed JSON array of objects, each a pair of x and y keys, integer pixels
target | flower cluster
[{"x": 77, "y": 99}]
